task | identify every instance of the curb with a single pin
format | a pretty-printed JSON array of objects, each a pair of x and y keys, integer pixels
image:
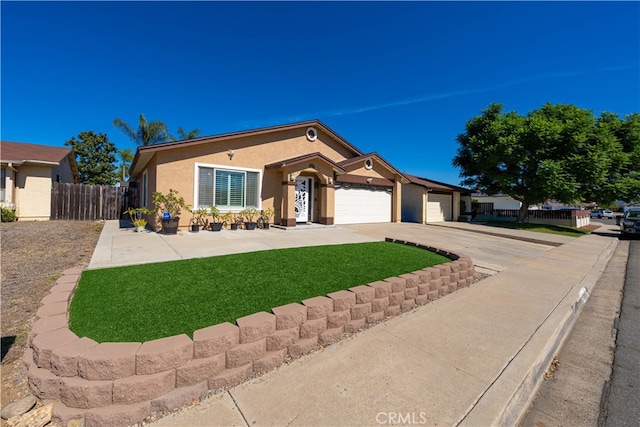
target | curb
[{"x": 549, "y": 336}]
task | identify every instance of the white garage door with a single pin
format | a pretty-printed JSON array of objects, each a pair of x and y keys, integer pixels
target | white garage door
[
  {"x": 439, "y": 208},
  {"x": 356, "y": 205}
]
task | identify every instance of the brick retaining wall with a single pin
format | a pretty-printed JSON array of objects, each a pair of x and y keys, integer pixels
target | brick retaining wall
[{"x": 119, "y": 384}]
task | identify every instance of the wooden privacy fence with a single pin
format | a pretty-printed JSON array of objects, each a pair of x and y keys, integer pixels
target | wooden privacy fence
[{"x": 87, "y": 202}]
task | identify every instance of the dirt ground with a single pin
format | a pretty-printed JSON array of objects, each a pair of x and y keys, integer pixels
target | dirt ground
[{"x": 33, "y": 256}]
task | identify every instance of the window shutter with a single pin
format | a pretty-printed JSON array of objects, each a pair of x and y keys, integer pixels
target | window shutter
[
  {"x": 252, "y": 189},
  {"x": 205, "y": 188}
]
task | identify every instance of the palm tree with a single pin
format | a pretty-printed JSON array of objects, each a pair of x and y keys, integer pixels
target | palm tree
[
  {"x": 126, "y": 156},
  {"x": 183, "y": 134},
  {"x": 148, "y": 133}
]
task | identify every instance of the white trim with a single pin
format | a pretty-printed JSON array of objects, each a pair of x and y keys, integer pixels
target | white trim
[{"x": 196, "y": 191}]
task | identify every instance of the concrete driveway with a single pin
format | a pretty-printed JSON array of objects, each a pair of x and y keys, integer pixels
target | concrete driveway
[{"x": 122, "y": 246}]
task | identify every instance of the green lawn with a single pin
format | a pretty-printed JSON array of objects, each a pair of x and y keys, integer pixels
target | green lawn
[
  {"x": 540, "y": 228},
  {"x": 150, "y": 301}
]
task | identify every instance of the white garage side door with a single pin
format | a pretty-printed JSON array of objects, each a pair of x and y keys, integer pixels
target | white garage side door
[
  {"x": 439, "y": 208},
  {"x": 362, "y": 205}
]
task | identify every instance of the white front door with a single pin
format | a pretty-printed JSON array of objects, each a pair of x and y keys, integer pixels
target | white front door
[{"x": 303, "y": 199}]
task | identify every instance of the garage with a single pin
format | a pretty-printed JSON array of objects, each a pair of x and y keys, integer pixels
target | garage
[
  {"x": 356, "y": 204},
  {"x": 439, "y": 207}
]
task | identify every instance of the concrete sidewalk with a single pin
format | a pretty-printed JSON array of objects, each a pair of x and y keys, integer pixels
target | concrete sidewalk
[{"x": 475, "y": 357}]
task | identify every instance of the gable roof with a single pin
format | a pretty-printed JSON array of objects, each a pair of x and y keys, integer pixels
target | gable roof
[
  {"x": 144, "y": 153},
  {"x": 403, "y": 177},
  {"x": 20, "y": 152},
  {"x": 435, "y": 185},
  {"x": 303, "y": 159}
]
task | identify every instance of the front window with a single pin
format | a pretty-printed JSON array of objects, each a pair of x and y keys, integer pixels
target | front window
[{"x": 227, "y": 188}]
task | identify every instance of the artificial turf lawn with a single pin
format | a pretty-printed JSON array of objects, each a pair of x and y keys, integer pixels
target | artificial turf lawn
[
  {"x": 540, "y": 228},
  {"x": 145, "y": 302}
]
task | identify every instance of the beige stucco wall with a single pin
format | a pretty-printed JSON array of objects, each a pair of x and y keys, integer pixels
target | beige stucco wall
[
  {"x": 33, "y": 193},
  {"x": 63, "y": 170},
  {"x": 414, "y": 205},
  {"x": 456, "y": 205},
  {"x": 377, "y": 171}
]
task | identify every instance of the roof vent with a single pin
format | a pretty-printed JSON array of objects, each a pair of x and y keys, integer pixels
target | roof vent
[
  {"x": 368, "y": 164},
  {"x": 312, "y": 134}
]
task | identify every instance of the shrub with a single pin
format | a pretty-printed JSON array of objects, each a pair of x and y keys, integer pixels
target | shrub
[{"x": 8, "y": 214}]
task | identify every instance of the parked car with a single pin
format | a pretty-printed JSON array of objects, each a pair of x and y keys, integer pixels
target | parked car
[
  {"x": 601, "y": 213},
  {"x": 630, "y": 223}
]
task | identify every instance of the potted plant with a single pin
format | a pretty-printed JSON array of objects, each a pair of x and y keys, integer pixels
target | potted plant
[
  {"x": 236, "y": 221},
  {"x": 135, "y": 215},
  {"x": 140, "y": 224},
  {"x": 249, "y": 216},
  {"x": 169, "y": 206},
  {"x": 216, "y": 224},
  {"x": 199, "y": 219},
  {"x": 266, "y": 215},
  {"x": 227, "y": 218}
]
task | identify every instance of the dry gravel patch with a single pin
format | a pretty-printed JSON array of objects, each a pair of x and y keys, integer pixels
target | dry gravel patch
[{"x": 33, "y": 255}]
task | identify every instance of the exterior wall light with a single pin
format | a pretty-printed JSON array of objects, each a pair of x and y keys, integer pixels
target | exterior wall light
[{"x": 231, "y": 153}]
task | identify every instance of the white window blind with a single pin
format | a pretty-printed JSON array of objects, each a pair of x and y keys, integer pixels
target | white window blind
[
  {"x": 230, "y": 189},
  {"x": 205, "y": 187},
  {"x": 252, "y": 189}
]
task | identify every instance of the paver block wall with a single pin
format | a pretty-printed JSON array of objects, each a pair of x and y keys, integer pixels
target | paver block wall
[{"x": 116, "y": 384}]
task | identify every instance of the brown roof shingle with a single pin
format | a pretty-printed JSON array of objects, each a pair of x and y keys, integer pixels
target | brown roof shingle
[{"x": 20, "y": 152}]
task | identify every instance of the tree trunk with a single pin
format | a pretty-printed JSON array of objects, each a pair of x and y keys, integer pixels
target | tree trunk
[{"x": 524, "y": 211}]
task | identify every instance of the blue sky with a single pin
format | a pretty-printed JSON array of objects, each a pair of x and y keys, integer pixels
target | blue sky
[{"x": 397, "y": 78}]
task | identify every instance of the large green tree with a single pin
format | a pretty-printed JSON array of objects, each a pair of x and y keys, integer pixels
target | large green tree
[
  {"x": 559, "y": 152},
  {"x": 147, "y": 133},
  {"x": 623, "y": 179},
  {"x": 96, "y": 157}
]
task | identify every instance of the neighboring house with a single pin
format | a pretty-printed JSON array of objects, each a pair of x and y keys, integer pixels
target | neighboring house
[
  {"x": 27, "y": 173},
  {"x": 304, "y": 171},
  {"x": 553, "y": 205},
  {"x": 500, "y": 201},
  {"x": 426, "y": 201}
]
